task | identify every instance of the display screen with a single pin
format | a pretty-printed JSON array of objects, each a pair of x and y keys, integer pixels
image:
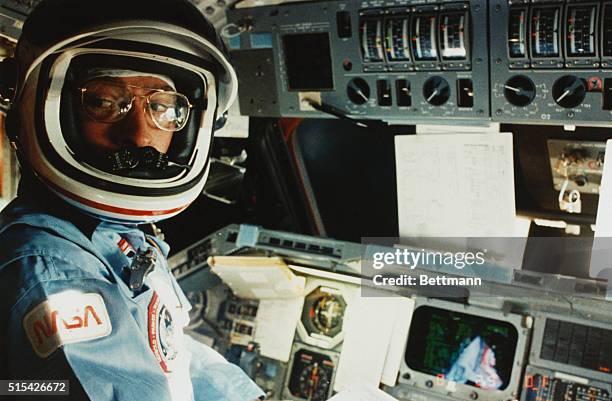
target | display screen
[
  {"x": 463, "y": 348},
  {"x": 308, "y": 60}
]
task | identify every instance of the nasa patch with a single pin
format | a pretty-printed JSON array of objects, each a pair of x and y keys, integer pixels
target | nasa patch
[
  {"x": 162, "y": 333},
  {"x": 66, "y": 318}
]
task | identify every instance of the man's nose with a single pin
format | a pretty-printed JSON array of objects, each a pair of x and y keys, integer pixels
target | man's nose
[{"x": 139, "y": 131}]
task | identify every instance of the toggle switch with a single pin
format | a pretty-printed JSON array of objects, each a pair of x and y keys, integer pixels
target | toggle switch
[
  {"x": 384, "y": 92},
  {"x": 465, "y": 93},
  {"x": 404, "y": 96},
  {"x": 343, "y": 22}
]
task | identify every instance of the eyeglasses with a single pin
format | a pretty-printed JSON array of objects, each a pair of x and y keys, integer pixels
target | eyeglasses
[{"x": 108, "y": 102}]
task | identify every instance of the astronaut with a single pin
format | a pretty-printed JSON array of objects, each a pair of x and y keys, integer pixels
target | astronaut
[{"x": 112, "y": 115}]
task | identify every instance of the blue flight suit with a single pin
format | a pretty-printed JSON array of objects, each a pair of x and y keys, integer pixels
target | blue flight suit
[{"x": 67, "y": 312}]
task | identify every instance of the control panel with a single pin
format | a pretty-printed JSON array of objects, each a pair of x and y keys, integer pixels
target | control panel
[
  {"x": 420, "y": 61},
  {"x": 552, "y": 62},
  {"x": 394, "y": 60},
  {"x": 530, "y": 348}
]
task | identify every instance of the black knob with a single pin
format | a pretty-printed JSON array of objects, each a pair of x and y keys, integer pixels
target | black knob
[
  {"x": 519, "y": 90},
  {"x": 569, "y": 91},
  {"x": 436, "y": 91},
  {"x": 358, "y": 91},
  {"x": 581, "y": 180}
]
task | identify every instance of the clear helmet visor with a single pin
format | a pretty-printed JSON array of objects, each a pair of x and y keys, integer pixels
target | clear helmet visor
[{"x": 132, "y": 117}]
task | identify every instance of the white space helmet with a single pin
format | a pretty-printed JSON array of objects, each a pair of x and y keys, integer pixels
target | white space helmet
[{"x": 161, "y": 38}]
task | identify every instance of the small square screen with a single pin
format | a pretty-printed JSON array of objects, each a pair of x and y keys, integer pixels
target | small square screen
[
  {"x": 466, "y": 349},
  {"x": 308, "y": 61}
]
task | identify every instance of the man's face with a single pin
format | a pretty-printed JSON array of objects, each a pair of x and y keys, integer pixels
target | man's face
[{"x": 136, "y": 128}]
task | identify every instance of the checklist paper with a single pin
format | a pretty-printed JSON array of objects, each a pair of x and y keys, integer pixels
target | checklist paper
[
  {"x": 601, "y": 265},
  {"x": 455, "y": 185}
]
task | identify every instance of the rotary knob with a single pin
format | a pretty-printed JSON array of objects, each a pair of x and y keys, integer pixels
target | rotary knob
[
  {"x": 358, "y": 91},
  {"x": 519, "y": 91},
  {"x": 569, "y": 91},
  {"x": 436, "y": 91}
]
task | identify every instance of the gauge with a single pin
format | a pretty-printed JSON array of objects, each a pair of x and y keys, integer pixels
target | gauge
[
  {"x": 581, "y": 27},
  {"x": 519, "y": 90},
  {"x": 323, "y": 312},
  {"x": 545, "y": 32},
  {"x": 396, "y": 39},
  {"x": 607, "y": 31},
  {"x": 453, "y": 36},
  {"x": 311, "y": 375},
  {"x": 372, "y": 40},
  {"x": 358, "y": 91},
  {"x": 314, "y": 383},
  {"x": 424, "y": 44},
  {"x": 569, "y": 91},
  {"x": 328, "y": 313},
  {"x": 436, "y": 91},
  {"x": 517, "y": 33}
]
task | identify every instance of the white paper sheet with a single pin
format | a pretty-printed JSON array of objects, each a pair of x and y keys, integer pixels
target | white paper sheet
[
  {"x": 603, "y": 224},
  {"x": 368, "y": 325},
  {"x": 455, "y": 185},
  {"x": 600, "y": 256},
  {"x": 276, "y": 323},
  {"x": 362, "y": 393},
  {"x": 254, "y": 277},
  {"x": 395, "y": 353}
]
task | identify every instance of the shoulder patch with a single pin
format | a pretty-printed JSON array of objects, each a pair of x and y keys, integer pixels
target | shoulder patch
[{"x": 65, "y": 318}]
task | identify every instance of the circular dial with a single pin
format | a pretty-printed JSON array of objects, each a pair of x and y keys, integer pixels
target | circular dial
[
  {"x": 314, "y": 383},
  {"x": 569, "y": 91},
  {"x": 328, "y": 314},
  {"x": 519, "y": 91},
  {"x": 436, "y": 91},
  {"x": 358, "y": 91}
]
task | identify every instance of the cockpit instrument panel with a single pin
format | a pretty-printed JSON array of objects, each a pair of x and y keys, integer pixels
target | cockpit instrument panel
[
  {"x": 555, "y": 65},
  {"x": 366, "y": 59},
  {"x": 419, "y": 62},
  {"x": 530, "y": 348}
]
